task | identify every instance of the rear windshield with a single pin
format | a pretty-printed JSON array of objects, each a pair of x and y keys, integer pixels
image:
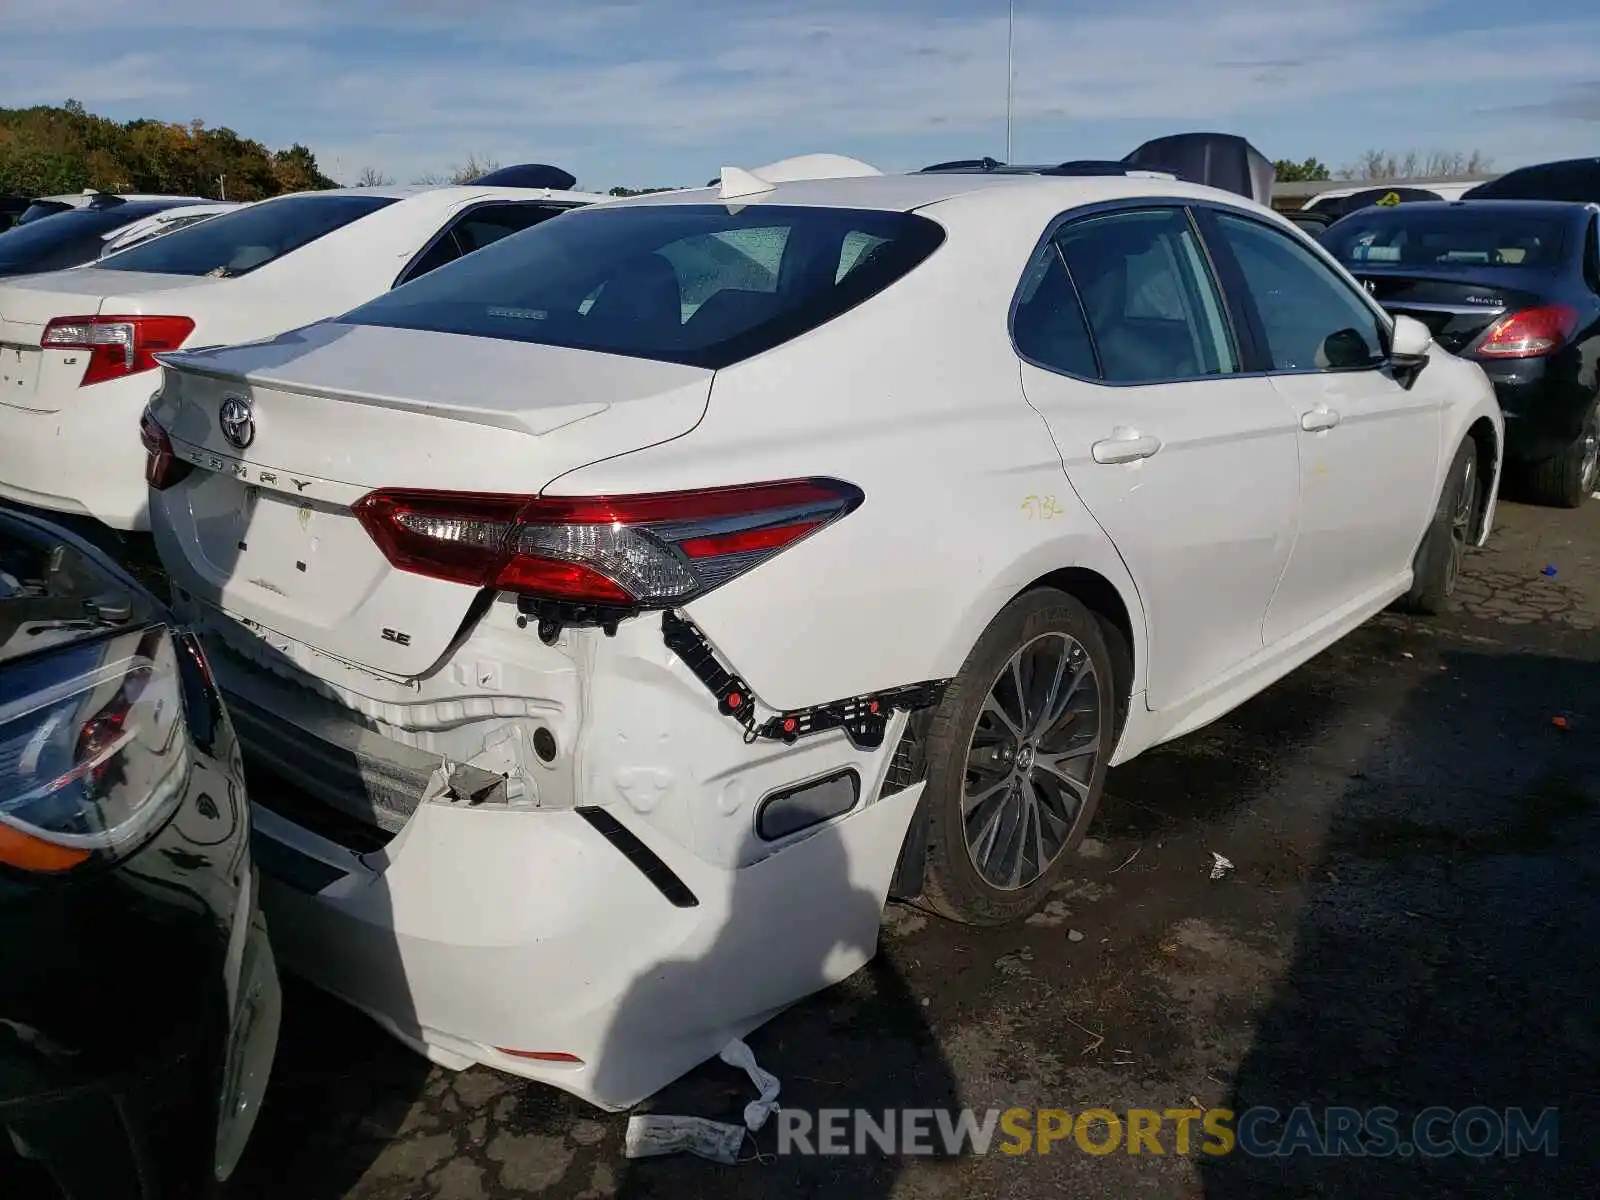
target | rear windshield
[
  {"x": 40, "y": 209},
  {"x": 1446, "y": 237},
  {"x": 703, "y": 285},
  {"x": 64, "y": 239},
  {"x": 233, "y": 243}
]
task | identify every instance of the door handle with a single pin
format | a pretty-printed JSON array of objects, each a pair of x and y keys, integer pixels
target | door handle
[
  {"x": 1319, "y": 419},
  {"x": 1124, "y": 446}
]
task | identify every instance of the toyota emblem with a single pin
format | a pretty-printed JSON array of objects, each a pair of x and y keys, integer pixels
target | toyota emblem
[{"x": 237, "y": 420}]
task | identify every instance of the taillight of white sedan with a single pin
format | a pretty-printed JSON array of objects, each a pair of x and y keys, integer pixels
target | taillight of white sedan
[{"x": 622, "y": 611}]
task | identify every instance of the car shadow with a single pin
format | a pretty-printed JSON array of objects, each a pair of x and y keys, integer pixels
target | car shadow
[
  {"x": 1444, "y": 956},
  {"x": 862, "y": 1046}
]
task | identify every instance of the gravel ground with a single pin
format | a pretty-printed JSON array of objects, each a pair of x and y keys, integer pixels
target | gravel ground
[{"x": 1410, "y": 922}]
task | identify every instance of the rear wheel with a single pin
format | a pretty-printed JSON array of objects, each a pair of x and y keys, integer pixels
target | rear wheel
[
  {"x": 1437, "y": 566},
  {"x": 1566, "y": 479},
  {"x": 1017, "y": 756}
]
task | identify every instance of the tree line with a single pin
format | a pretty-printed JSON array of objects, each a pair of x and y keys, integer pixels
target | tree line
[
  {"x": 48, "y": 150},
  {"x": 1386, "y": 165}
]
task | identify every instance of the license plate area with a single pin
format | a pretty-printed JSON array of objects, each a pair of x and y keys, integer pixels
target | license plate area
[
  {"x": 19, "y": 372},
  {"x": 301, "y": 550}
]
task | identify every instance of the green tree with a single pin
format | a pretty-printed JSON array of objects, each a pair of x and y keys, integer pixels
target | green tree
[
  {"x": 46, "y": 150},
  {"x": 1309, "y": 171},
  {"x": 296, "y": 171}
]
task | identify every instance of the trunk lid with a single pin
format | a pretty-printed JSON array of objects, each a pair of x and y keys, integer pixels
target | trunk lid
[
  {"x": 265, "y": 532},
  {"x": 28, "y": 304},
  {"x": 47, "y": 380},
  {"x": 1456, "y": 307}
]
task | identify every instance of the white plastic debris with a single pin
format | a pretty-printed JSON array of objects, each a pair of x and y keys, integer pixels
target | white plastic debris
[
  {"x": 737, "y": 1054},
  {"x": 1219, "y": 866},
  {"x": 651, "y": 1136}
]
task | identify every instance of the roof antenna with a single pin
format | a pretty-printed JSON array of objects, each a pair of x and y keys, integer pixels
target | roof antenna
[
  {"x": 737, "y": 182},
  {"x": 1011, "y": 75}
]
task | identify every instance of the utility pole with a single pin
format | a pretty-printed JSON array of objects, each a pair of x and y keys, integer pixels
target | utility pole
[
  {"x": 1011, "y": 46},
  {"x": 222, "y": 185}
]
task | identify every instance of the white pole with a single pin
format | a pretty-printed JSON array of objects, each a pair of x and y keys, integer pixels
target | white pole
[{"x": 1011, "y": 44}]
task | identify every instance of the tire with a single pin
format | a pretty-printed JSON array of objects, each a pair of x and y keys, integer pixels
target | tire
[
  {"x": 998, "y": 863},
  {"x": 1566, "y": 479},
  {"x": 1437, "y": 565}
]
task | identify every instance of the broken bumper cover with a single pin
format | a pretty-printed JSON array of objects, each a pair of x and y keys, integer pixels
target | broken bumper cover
[{"x": 490, "y": 936}]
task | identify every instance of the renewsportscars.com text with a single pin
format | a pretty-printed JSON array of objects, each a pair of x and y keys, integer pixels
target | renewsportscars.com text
[{"x": 1261, "y": 1132}]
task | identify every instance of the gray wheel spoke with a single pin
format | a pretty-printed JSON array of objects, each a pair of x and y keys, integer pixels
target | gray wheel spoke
[
  {"x": 1057, "y": 713},
  {"x": 1054, "y": 768},
  {"x": 1054, "y": 691},
  {"x": 1022, "y": 693},
  {"x": 1036, "y": 810},
  {"x": 991, "y": 828},
  {"x": 995, "y": 709},
  {"x": 970, "y": 803}
]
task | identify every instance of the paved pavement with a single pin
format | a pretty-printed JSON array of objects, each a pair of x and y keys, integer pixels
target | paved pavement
[{"x": 1411, "y": 921}]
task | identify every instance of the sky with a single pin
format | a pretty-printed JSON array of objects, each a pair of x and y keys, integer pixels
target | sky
[{"x": 657, "y": 93}]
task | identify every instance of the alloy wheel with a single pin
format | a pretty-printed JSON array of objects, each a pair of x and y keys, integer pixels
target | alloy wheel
[
  {"x": 1590, "y": 474},
  {"x": 1466, "y": 500},
  {"x": 1030, "y": 761}
]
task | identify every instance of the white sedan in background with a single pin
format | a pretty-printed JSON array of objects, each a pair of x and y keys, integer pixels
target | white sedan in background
[
  {"x": 77, "y": 347},
  {"x": 156, "y": 224},
  {"x": 618, "y": 610}
]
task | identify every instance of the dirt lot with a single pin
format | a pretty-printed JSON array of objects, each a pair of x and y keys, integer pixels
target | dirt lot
[{"x": 1411, "y": 922}]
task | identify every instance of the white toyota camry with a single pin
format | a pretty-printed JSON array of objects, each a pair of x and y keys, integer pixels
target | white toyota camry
[
  {"x": 77, "y": 347},
  {"x": 618, "y": 614}
]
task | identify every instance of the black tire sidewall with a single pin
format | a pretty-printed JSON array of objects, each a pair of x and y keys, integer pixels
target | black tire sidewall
[
  {"x": 953, "y": 884},
  {"x": 1430, "y": 585}
]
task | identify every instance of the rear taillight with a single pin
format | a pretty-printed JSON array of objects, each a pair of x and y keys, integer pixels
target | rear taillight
[
  {"x": 117, "y": 346},
  {"x": 162, "y": 467},
  {"x": 1529, "y": 333},
  {"x": 625, "y": 551}
]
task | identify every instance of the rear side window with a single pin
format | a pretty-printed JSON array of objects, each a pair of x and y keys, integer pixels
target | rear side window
[
  {"x": 1048, "y": 325},
  {"x": 234, "y": 243},
  {"x": 1155, "y": 312},
  {"x": 703, "y": 285}
]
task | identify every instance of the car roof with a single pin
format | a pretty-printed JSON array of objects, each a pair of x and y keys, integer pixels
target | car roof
[
  {"x": 449, "y": 193},
  {"x": 906, "y": 193},
  {"x": 131, "y": 209},
  {"x": 1544, "y": 208}
]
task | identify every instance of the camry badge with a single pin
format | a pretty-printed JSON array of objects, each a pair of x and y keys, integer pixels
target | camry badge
[{"x": 237, "y": 420}]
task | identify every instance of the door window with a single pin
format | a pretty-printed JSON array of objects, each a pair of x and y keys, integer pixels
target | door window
[
  {"x": 1312, "y": 319},
  {"x": 1048, "y": 326},
  {"x": 1152, "y": 306}
]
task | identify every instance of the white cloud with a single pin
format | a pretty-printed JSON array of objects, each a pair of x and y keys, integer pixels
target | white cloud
[{"x": 418, "y": 83}]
